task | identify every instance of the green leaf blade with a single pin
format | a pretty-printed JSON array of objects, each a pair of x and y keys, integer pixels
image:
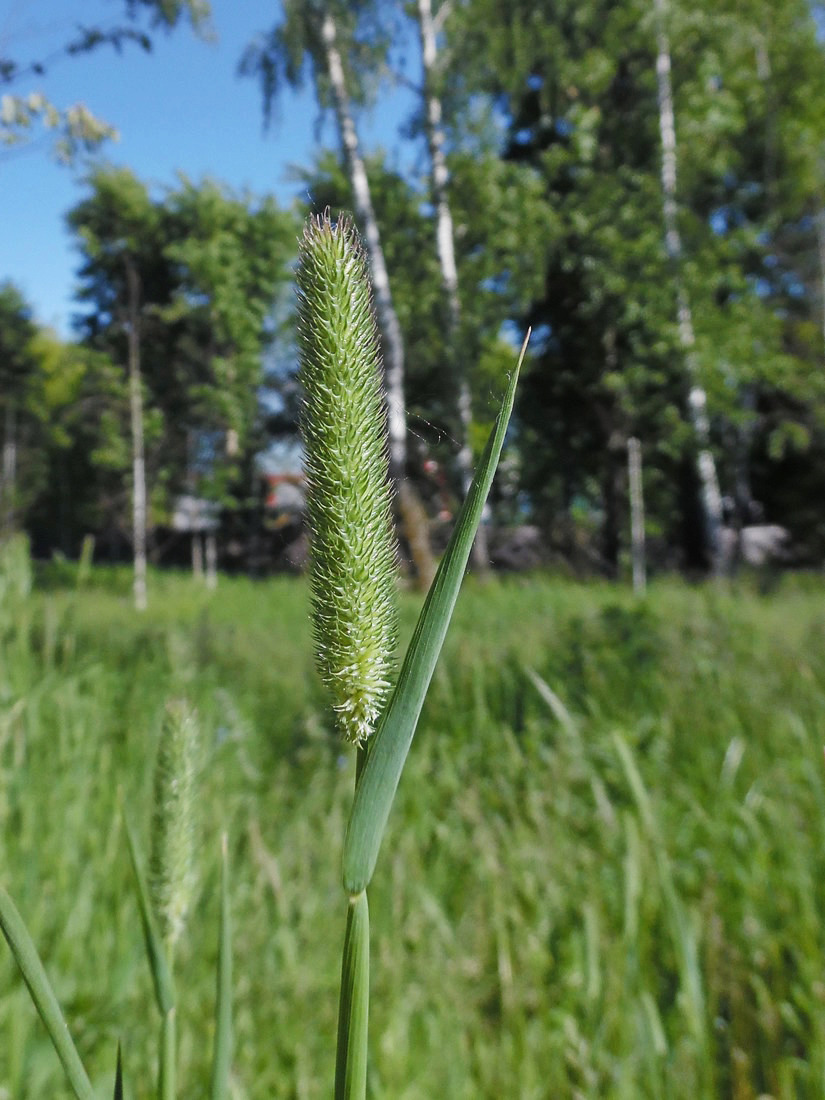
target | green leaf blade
[
  {"x": 158, "y": 963},
  {"x": 34, "y": 975},
  {"x": 391, "y": 743},
  {"x": 119, "y": 1076},
  {"x": 222, "y": 1058}
]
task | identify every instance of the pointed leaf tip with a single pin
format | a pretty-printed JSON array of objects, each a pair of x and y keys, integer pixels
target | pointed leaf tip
[
  {"x": 119, "y": 1075},
  {"x": 382, "y": 771}
]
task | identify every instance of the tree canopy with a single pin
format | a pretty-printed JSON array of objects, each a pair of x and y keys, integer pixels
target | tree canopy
[{"x": 551, "y": 134}]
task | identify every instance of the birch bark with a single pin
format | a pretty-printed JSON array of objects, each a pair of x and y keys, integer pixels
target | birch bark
[
  {"x": 697, "y": 397},
  {"x": 445, "y": 244}
]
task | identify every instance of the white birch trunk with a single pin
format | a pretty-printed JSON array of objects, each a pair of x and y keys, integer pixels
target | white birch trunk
[
  {"x": 393, "y": 346},
  {"x": 445, "y": 244},
  {"x": 138, "y": 461},
  {"x": 697, "y": 398},
  {"x": 412, "y": 513}
]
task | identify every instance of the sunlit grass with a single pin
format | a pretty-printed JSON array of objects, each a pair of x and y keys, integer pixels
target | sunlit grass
[{"x": 555, "y": 914}]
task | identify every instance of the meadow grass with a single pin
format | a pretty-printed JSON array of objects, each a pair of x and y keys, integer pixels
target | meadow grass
[{"x": 613, "y": 890}]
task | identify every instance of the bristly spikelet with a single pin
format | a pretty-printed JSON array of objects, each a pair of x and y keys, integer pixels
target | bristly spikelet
[
  {"x": 173, "y": 809},
  {"x": 353, "y": 556}
]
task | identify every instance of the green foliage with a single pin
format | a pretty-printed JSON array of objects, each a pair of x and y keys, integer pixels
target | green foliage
[
  {"x": 209, "y": 265},
  {"x": 292, "y": 49},
  {"x": 539, "y": 949},
  {"x": 17, "y": 330},
  {"x": 575, "y": 92},
  {"x": 25, "y": 954}
]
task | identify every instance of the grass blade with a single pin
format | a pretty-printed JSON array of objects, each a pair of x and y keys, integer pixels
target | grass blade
[
  {"x": 161, "y": 973},
  {"x": 167, "y": 1064},
  {"x": 25, "y": 954},
  {"x": 119, "y": 1076},
  {"x": 554, "y": 703},
  {"x": 684, "y": 938},
  {"x": 353, "y": 1013},
  {"x": 385, "y": 761},
  {"x": 223, "y": 1007}
]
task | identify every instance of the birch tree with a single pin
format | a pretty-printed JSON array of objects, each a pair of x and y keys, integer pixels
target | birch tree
[
  {"x": 697, "y": 397},
  {"x": 445, "y": 244}
]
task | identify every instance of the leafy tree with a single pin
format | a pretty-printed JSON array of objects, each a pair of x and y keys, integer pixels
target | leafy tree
[
  {"x": 79, "y": 401},
  {"x": 697, "y": 397},
  {"x": 17, "y": 365},
  {"x": 445, "y": 246},
  {"x": 750, "y": 80},
  {"x": 231, "y": 257},
  {"x": 575, "y": 85},
  {"x": 583, "y": 148},
  {"x": 63, "y": 458},
  {"x": 181, "y": 290},
  {"x": 127, "y": 276}
]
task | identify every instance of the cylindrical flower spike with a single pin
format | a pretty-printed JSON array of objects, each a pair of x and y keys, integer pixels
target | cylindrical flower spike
[
  {"x": 171, "y": 871},
  {"x": 353, "y": 555}
]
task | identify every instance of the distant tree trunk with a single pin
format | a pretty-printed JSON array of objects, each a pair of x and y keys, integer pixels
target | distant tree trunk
[
  {"x": 8, "y": 488},
  {"x": 612, "y": 497},
  {"x": 211, "y": 560},
  {"x": 609, "y": 417},
  {"x": 445, "y": 243},
  {"x": 637, "y": 515},
  {"x": 138, "y": 461},
  {"x": 697, "y": 398},
  {"x": 412, "y": 512},
  {"x": 197, "y": 555},
  {"x": 742, "y": 450},
  {"x": 820, "y": 240}
]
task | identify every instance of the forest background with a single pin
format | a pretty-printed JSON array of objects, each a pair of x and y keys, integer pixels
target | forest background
[{"x": 551, "y": 136}]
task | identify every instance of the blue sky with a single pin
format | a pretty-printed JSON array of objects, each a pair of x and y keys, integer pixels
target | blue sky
[{"x": 181, "y": 108}]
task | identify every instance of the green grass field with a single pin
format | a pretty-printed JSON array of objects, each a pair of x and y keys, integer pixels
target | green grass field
[{"x": 611, "y": 888}]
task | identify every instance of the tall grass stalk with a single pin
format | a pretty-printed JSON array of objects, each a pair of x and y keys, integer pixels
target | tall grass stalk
[
  {"x": 353, "y": 579},
  {"x": 344, "y": 424},
  {"x": 222, "y": 1054},
  {"x": 170, "y": 867},
  {"x": 34, "y": 975}
]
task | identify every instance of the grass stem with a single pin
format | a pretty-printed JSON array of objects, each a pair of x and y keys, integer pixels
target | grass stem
[{"x": 353, "y": 1015}]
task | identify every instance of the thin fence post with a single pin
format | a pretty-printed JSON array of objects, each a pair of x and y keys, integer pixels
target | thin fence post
[
  {"x": 211, "y": 560},
  {"x": 197, "y": 555}
]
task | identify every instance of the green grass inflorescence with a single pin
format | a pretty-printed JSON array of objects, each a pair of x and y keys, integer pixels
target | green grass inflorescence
[{"x": 353, "y": 557}]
